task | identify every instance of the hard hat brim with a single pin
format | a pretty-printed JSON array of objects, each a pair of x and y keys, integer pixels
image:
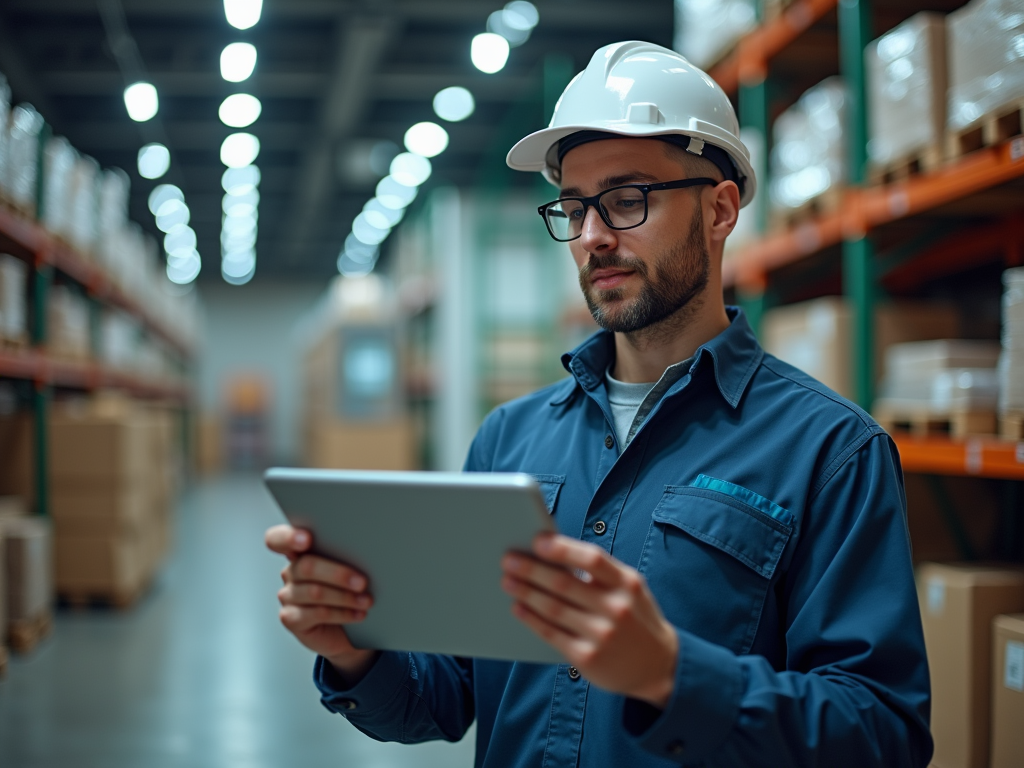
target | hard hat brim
[{"x": 534, "y": 152}]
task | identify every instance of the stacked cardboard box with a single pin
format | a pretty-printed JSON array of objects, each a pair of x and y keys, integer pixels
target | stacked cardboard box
[
  {"x": 109, "y": 499},
  {"x": 1011, "y": 363},
  {"x": 13, "y": 299},
  {"x": 29, "y": 567},
  {"x": 958, "y": 605},
  {"x": 1008, "y": 692}
]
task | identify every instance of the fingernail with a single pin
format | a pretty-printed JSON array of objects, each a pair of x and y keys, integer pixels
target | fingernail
[
  {"x": 514, "y": 563},
  {"x": 356, "y": 582},
  {"x": 363, "y": 601},
  {"x": 544, "y": 545},
  {"x": 302, "y": 538}
]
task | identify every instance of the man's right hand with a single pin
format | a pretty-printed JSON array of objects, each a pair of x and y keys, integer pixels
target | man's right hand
[{"x": 318, "y": 599}]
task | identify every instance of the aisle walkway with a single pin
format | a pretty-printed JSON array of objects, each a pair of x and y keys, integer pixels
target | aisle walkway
[{"x": 199, "y": 675}]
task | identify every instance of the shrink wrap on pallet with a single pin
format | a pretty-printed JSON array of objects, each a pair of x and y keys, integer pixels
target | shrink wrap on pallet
[
  {"x": 943, "y": 375},
  {"x": 1011, "y": 362},
  {"x": 5, "y": 116},
  {"x": 13, "y": 305},
  {"x": 84, "y": 203},
  {"x": 707, "y": 29},
  {"x": 986, "y": 59},
  {"x": 808, "y": 155},
  {"x": 114, "y": 190},
  {"x": 906, "y": 78},
  {"x": 24, "y": 131},
  {"x": 68, "y": 323},
  {"x": 29, "y": 556},
  {"x": 58, "y": 161}
]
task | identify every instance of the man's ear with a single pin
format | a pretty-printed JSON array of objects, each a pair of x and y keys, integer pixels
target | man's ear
[{"x": 724, "y": 205}]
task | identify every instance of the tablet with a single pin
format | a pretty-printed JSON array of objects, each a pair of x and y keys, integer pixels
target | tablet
[{"x": 431, "y": 545}]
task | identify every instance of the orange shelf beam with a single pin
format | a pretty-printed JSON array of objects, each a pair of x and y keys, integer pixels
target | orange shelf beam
[
  {"x": 42, "y": 369},
  {"x": 973, "y": 457},
  {"x": 749, "y": 62},
  {"x": 865, "y": 209}
]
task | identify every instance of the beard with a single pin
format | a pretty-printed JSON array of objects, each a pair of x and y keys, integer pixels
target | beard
[{"x": 680, "y": 275}]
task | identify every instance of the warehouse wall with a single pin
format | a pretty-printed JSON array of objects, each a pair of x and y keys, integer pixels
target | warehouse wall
[{"x": 251, "y": 330}]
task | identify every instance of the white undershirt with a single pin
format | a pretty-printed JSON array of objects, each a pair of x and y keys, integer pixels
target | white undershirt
[{"x": 631, "y": 403}]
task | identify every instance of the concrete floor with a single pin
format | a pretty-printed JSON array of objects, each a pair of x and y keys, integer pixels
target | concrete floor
[{"x": 199, "y": 674}]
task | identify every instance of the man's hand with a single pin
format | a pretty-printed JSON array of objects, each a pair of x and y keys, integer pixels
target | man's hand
[
  {"x": 606, "y": 624},
  {"x": 318, "y": 599}
]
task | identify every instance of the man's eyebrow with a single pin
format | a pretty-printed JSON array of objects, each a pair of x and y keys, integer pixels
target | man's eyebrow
[{"x": 633, "y": 177}]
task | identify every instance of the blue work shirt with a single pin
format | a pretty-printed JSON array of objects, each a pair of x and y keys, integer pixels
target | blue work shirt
[{"x": 768, "y": 516}]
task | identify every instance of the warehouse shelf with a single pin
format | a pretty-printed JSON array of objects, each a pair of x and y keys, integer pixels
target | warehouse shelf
[
  {"x": 863, "y": 210},
  {"x": 973, "y": 457},
  {"x": 33, "y": 239},
  {"x": 43, "y": 369},
  {"x": 748, "y": 63}
]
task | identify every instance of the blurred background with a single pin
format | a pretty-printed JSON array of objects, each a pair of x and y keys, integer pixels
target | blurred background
[{"x": 237, "y": 234}]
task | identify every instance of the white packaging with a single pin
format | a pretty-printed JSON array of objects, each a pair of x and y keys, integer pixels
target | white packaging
[
  {"x": 705, "y": 30},
  {"x": 67, "y": 323},
  {"x": 906, "y": 79},
  {"x": 118, "y": 340},
  {"x": 5, "y": 115},
  {"x": 58, "y": 161},
  {"x": 808, "y": 155},
  {"x": 986, "y": 59},
  {"x": 23, "y": 155},
  {"x": 13, "y": 303},
  {"x": 1011, "y": 363},
  {"x": 84, "y": 200}
]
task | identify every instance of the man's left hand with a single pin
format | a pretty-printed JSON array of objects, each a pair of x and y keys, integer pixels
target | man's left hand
[{"x": 606, "y": 622}]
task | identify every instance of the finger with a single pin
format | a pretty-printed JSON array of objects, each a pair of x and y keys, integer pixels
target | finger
[
  {"x": 300, "y": 620},
  {"x": 320, "y": 569},
  {"x": 286, "y": 540},
  {"x": 313, "y": 594},
  {"x": 561, "y": 550},
  {"x": 553, "y": 579},
  {"x": 570, "y": 647},
  {"x": 557, "y": 611}
]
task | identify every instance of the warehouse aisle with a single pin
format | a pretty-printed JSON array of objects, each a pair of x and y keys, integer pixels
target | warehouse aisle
[{"x": 199, "y": 675}]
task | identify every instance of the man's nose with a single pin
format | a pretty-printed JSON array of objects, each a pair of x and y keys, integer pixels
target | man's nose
[{"x": 596, "y": 236}]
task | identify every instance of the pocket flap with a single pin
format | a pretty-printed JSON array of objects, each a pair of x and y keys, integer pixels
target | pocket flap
[
  {"x": 726, "y": 523},
  {"x": 549, "y": 485}
]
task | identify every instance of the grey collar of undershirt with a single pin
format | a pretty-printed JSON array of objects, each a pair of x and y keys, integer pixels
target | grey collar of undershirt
[{"x": 646, "y": 395}]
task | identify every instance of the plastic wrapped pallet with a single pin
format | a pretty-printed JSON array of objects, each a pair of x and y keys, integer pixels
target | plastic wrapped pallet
[
  {"x": 29, "y": 544},
  {"x": 906, "y": 77},
  {"x": 84, "y": 200},
  {"x": 24, "y": 131},
  {"x": 118, "y": 340},
  {"x": 5, "y": 114},
  {"x": 13, "y": 304},
  {"x": 114, "y": 189},
  {"x": 68, "y": 323},
  {"x": 58, "y": 161},
  {"x": 1011, "y": 363},
  {"x": 941, "y": 376},
  {"x": 808, "y": 155},
  {"x": 705, "y": 30},
  {"x": 986, "y": 59}
]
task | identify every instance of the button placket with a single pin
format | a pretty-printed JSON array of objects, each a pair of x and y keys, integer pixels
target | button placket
[
  {"x": 609, "y": 441},
  {"x": 600, "y": 527},
  {"x": 574, "y": 674}
]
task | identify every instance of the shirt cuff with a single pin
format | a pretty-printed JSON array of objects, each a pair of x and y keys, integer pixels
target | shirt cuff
[
  {"x": 379, "y": 686},
  {"x": 703, "y": 709}
]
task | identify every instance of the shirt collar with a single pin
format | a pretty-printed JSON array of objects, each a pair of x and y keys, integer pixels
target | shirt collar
[{"x": 735, "y": 355}]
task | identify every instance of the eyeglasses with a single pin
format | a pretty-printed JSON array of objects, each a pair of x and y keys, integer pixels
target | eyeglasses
[{"x": 622, "y": 207}]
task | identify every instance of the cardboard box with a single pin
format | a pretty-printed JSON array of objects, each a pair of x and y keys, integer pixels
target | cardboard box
[
  {"x": 88, "y": 447},
  {"x": 816, "y": 336},
  {"x": 1008, "y": 692},
  {"x": 108, "y": 565},
  {"x": 958, "y": 604},
  {"x": 209, "y": 445},
  {"x": 17, "y": 451},
  {"x": 28, "y": 545},
  {"x": 354, "y": 445},
  {"x": 13, "y": 506},
  {"x": 103, "y": 507}
]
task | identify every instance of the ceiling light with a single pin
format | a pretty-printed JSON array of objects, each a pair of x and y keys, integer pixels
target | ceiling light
[
  {"x": 236, "y": 226},
  {"x": 241, "y": 205},
  {"x": 238, "y": 271},
  {"x": 350, "y": 267},
  {"x": 489, "y": 52},
  {"x": 243, "y": 14},
  {"x": 367, "y": 232},
  {"x": 238, "y": 181},
  {"x": 453, "y": 104},
  {"x": 184, "y": 271},
  {"x": 410, "y": 169},
  {"x": 362, "y": 251},
  {"x": 520, "y": 14},
  {"x": 427, "y": 139},
  {"x": 391, "y": 215},
  {"x": 237, "y": 62},
  {"x": 171, "y": 214},
  {"x": 154, "y": 160},
  {"x": 239, "y": 149},
  {"x": 237, "y": 242},
  {"x": 161, "y": 194},
  {"x": 394, "y": 195},
  {"x": 239, "y": 110},
  {"x": 242, "y": 258},
  {"x": 497, "y": 23},
  {"x": 179, "y": 238},
  {"x": 141, "y": 101}
]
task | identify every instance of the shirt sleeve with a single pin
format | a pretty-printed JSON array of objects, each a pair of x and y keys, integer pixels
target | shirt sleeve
[{"x": 855, "y": 687}]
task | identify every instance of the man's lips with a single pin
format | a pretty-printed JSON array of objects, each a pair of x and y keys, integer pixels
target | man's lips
[{"x": 606, "y": 279}]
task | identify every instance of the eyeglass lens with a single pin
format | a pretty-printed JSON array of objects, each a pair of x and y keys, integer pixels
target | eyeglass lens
[{"x": 620, "y": 208}]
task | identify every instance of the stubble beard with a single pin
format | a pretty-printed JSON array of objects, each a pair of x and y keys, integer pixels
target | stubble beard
[{"x": 666, "y": 302}]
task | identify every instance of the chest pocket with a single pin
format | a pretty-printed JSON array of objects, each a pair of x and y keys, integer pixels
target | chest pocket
[
  {"x": 550, "y": 485},
  {"x": 709, "y": 558}
]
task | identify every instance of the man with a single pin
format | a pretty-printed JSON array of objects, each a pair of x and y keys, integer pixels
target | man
[{"x": 732, "y": 583}]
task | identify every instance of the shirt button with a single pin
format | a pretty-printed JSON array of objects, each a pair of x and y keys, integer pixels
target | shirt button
[
  {"x": 600, "y": 527},
  {"x": 675, "y": 748},
  {"x": 608, "y": 441},
  {"x": 574, "y": 674},
  {"x": 347, "y": 704}
]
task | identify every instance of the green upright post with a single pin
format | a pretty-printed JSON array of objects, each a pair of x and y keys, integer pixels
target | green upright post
[
  {"x": 858, "y": 254},
  {"x": 41, "y": 394},
  {"x": 753, "y": 108}
]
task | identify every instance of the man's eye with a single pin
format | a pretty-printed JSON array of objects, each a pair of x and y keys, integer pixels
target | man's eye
[
  {"x": 576, "y": 214},
  {"x": 628, "y": 203}
]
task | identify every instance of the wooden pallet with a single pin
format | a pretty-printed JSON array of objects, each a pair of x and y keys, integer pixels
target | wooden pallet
[
  {"x": 1011, "y": 425},
  {"x": 13, "y": 345},
  {"x": 120, "y": 598},
  {"x": 923, "y": 421},
  {"x": 994, "y": 128},
  {"x": 827, "y": 202},
  {"x": 26, "y": 634},
  {"x": 914, "y": 164}
]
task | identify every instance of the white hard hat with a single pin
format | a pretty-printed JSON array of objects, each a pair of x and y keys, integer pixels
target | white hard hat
[{"x": 639, "y": 89}]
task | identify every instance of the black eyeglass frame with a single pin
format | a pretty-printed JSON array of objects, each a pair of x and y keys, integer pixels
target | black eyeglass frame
[{"x": 592, "y": 202}]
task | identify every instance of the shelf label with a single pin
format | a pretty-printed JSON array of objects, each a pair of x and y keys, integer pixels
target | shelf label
[
  {"x": 1017, "y": 149},
  {"x": 972, "y": 457}
]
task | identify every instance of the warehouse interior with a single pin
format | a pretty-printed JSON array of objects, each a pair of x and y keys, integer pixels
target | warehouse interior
[{"x": 250, "y": 233}]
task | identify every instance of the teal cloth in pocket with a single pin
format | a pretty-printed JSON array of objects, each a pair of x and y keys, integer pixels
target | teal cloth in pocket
[{"x": 756, "y": 500}]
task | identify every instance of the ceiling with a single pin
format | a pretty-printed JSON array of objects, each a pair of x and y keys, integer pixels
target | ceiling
[{"x": 332, "y": 76}]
